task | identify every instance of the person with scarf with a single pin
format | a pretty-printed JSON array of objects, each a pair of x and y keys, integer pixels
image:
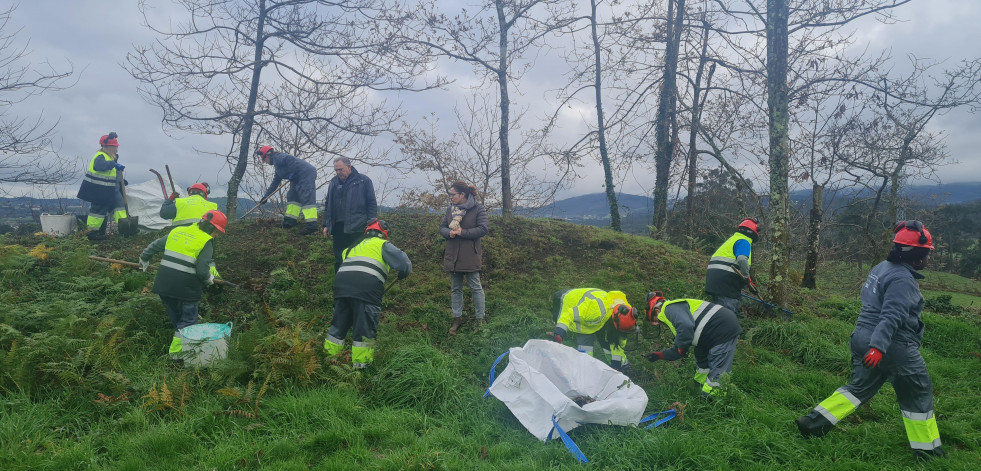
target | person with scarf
[{"x": 464, "y": 223}]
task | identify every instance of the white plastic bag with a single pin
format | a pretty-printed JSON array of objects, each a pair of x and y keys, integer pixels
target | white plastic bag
[{"x": 542, "y": 379}]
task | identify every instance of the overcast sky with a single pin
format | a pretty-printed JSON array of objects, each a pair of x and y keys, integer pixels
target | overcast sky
[{"x": 95, "y": 36}]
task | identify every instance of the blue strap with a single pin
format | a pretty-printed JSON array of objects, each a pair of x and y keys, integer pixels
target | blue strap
[
  {"x": 667, "y": 415},
  {"x": 571, "y": 445},
  {"x": 493, "y": 373}
]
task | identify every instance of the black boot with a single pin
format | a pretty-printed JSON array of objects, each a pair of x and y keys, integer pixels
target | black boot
[
  {"x": 309, "y": 228},
  {"x": 927, "y": 455},
  {"x": 813, "y": 425},
  {"x": 289, "y": 223}
]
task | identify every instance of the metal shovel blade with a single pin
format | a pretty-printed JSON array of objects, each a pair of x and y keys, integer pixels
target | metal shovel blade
[{"x": 129, "y": 226}]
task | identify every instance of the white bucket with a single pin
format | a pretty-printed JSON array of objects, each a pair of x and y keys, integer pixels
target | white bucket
[
  {"x": 204, "y": 344},
  {"x": 58, "y": 224}
]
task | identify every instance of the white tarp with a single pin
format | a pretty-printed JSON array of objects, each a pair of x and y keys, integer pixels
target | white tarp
[
  {"x": 145, "y": 199},
  {"x": 542, "y": 379}
]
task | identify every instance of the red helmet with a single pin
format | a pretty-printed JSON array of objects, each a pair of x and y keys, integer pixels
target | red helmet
[
  {"x": 750, "y": 223},
  {"x": 624, "y": 318},
  {"x": 109, "y": 140},
  {"x": 216, "y": 218},
  {"x": 654, "y": 301},
  {"x": 913, "y": 234},
  {"x": 202, "y": 187},
  {"x": 263, "y": 151},
  {"x": 377, "y": 225}
]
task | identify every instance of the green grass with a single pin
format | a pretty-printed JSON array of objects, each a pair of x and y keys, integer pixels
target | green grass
[{"x": 83, "y": 363}]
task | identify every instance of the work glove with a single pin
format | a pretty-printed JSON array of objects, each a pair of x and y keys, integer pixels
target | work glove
[
  {"x": 214, "y": 271},
  {"x": 174, "y": 196},
  {"x": 654, "y": 356},
  {"x": 872, "y": 358},
  {"x": 119, "y": 166},
  {"x": 144, "y": 264},
  {"x": 211, "y": 280},
  {"x": 558, "y": 338},
  {"x": 402, "y": 275}
]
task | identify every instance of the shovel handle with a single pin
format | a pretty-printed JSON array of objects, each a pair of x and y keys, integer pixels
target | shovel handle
[
  {"x": 137, "y": 265},
  {"x": 172, "y": 188}
]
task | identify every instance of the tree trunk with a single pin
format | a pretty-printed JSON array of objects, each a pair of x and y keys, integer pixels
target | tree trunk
[
  {"x": 507, "y": 199},
  {"x": 696, "y": 113},
  {"x": 813, "y": 237},
  {"x": 777, "y": 17},
  {"x": 231, "y": 206},
  {"x": 665, "y": 115},
  {"x": 611, "y": 195}
]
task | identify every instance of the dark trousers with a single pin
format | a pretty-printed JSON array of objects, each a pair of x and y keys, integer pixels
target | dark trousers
[
  {"x": 181, "y": 313},
  {"x": 342, "y": 241}
]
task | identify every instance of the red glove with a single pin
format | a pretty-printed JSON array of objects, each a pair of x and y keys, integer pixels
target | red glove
[
  {"x": 558, "y": 338},
  {"x": 872, "y": 358},
  {"x": 654, "y": 356},
  {"x": 173, "y": 196},
  {"x": 752, "y": 286}
]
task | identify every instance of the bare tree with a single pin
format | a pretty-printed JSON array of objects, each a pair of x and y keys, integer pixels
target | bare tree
[
  {"x": 27, "y": 154},
  {"x": 325, "y": 62},
  {"x": 666, "y": 119},
  {"x": 493, "y": 40}
]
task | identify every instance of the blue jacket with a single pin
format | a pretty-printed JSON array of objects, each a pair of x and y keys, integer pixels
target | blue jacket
[
  {"x": 356, "y": 195},
  {"x": 292, "y": 169},
  {"x": 892, "y": 305}
]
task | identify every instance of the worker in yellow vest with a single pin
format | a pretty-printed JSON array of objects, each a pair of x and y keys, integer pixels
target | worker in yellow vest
[
  {"x": 189, "y": 209},
  {"x": 359, "y": 286},
  {"x": 728, "y": 269},
  {"x": 185, "y": 269},
  {"x": 708, "y": 328},
  {"x": 590, "y": 311},
  {"x": 100, "y": 187}
]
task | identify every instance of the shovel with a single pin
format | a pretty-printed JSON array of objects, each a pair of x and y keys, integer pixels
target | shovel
[
  {"x": 259, "y": 204},
  {"x": 218, "y": 281},
  {"x": 129, "y": 225}
]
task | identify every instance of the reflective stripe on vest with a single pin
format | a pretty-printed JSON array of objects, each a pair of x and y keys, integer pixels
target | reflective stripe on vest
[
  {"x": 366, "y": 257},
  {"x": 701, "y": 312},
  {"x": 724, "y": 257},
  {"x": 599, "y": 302},
  {"x": 191, "y": 209},
  {"x": 106, "y": 178},
  {"x": 184, "y": 244}
]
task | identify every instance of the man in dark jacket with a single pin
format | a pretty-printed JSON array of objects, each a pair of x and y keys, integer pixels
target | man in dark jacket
[
  {"x": 358, "y": 289},
  {"x": 712, "y": 329},
  {"x": 349, "y": 205},
  {"x": 302, "y": 195},
  {"x": 186, "y": 266},
  {"x": 100, "y": 186}
]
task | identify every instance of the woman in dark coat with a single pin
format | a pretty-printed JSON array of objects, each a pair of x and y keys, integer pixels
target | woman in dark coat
[{"x": 464, "y": 223}]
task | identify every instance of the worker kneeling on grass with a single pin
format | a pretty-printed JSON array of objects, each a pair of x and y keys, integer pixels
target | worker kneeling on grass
[
  {"x": 590, "y": 311},
  {"x": 711, "y": 328},
  {"x": 185, "y": 268},
  {"x": 358, "y": 289}
]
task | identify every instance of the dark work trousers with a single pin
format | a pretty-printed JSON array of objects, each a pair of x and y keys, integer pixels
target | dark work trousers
[
  {"x": 903, "y": 366},
  {"x": 342, "y": 241},
  {"x": 182, "y": 313},
  {"x": 350, "y": 312},
  {"x": 731, "y": 304}
]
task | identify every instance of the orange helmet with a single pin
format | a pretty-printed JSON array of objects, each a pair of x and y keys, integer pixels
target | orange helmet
[
  {"x": 377, "y": 225},
  {"x": 750, "y": 223},
  {"x": 264, "y": 151},
  {"x": 624, "y": 318},
  {"x": 109, "y": 140},
  {"x": 216, "y": 218},
  {"x": 654, "y": 301},
  {"x": 202, "y": 187},
  {"x": 913, "y": 234}
]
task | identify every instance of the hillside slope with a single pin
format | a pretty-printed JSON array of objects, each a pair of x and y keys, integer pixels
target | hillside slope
[{"x": 85, "y": 382}]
